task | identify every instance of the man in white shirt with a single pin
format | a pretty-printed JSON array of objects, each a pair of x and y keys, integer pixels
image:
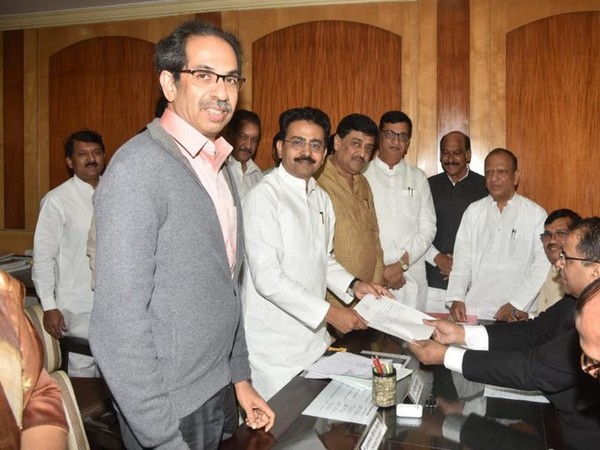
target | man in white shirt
[
  {"x": 499, "y": 262},
  {"x": 556, "y": 227},
  {"x": 244, "y": 135},
  {"x": 61, "y": 271},
  {"x": 289, "y": 224},
  {"x": 405, "y": 211}
]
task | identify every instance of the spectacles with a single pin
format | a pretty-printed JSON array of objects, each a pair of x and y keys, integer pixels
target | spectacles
[
  {"x": 563, "y": 257},
  {"x": 590, "y": 366},
  {"x": 559, "y": 234},
  {"x": 205, "y": 77},
  {"x": 390, "y": 135},
  {"x": 299, "y": 143}
]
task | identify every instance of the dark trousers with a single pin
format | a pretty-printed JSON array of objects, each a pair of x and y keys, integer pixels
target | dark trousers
[{"x": 204, "y": 428}]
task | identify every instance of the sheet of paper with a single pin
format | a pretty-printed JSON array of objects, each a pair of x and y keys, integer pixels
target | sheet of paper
[
  {"x": 342, "y": 363},
  {"x": 514, "y": 394},
  {"x": 339, "y": 401},
  {"x": 395, "y": 318}
]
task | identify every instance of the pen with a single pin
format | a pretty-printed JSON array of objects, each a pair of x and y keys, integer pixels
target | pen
[
  {"x": 322, "y": 217},
  {"x": 513, "y": 233}
]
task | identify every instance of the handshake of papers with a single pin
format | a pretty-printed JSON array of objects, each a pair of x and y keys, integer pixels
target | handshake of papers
[{"x": 395, "y": 318}]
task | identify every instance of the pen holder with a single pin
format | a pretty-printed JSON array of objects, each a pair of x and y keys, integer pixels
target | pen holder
[{"x": 384, "y": 389}]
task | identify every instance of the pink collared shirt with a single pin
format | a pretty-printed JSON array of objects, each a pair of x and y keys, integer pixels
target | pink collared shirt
[{"x": 207, "y": 159}]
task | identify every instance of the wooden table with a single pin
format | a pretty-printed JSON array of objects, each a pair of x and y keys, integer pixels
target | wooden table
[{"x": 506, "y": 424}]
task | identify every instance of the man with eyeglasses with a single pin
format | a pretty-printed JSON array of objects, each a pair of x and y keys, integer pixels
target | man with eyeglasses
[
  {"x": 289, "y": 227},
  {"x": 499, "y": 262},
  {"x": 540, "y": 354},
  {"x": 244, "y": 135},
  {"x": 556, "y": 227},
  {"x": 405, "y": 211},
  {"x": 453, "y": 191},
  {"x": 166, "y": 326},
  {"x": 356, "y": 239}
]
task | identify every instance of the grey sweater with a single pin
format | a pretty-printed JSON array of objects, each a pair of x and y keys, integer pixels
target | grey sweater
[{"x": 166, "y": 327}]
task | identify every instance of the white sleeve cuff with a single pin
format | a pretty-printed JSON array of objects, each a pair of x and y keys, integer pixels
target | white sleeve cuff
[
  {"x": 430, "y": 255},
  {"x": 453, "y": 358},
  {"x": 476, "y": 337}
]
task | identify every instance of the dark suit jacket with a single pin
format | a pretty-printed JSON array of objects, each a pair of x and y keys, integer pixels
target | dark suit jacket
[
  {"x": 450, "y": 204},
  {"x": 543, "y": 354}
]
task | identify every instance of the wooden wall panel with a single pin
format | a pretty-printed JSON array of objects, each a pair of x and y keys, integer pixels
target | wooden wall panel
[
  {"x": 13, "y": 126},
  {"x": 326, "y": 65},
  {"x": 453, "y": 66},
  {"x": 553, "y": 109},
  {"x": 106, "y": 84}
]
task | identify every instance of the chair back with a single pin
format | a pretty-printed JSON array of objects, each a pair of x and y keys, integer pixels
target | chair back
[{"x": 77, "y": 439}]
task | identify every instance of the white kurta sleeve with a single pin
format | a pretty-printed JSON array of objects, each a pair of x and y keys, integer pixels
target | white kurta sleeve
[
  {"x": 46, "y": 245},
  {"x": 460, "y": 277},
  {"x": 427, "y": 225}
]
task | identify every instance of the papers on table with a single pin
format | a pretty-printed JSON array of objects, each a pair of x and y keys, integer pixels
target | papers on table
[
  {"x": 395, "y": 318},
  {"x": 350, "y": 369},
  {"x": 514, "y": 394},
  {"x": 339, "y": 401},
  {"x": 10, "y": 263}
]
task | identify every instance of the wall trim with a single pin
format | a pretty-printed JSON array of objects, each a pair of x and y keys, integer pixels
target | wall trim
[{"x": 151, "y": 10}]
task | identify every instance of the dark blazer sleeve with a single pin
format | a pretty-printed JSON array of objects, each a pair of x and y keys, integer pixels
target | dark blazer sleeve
[{"x": 556, "y": 320}]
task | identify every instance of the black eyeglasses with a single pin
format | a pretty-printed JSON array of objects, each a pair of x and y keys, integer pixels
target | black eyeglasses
[
  {"x": 562, "y": 256},
  {"x": 590, "y": 366},
  {"x": 559, "y": 234},
  {"x": 205, "y": 77},
  {"x": 390, "y": 135}
]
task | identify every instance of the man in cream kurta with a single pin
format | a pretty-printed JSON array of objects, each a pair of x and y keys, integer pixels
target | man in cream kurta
[
  {"x": 289, "y": 224},
  {"x": 499, "y": 262},
  {"x": 405, "y": 211}
]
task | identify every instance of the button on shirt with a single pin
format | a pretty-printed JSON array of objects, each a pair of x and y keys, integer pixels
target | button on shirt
[
  {"x": 207, "y": 159},
  {"x": 498, "y": 256}
]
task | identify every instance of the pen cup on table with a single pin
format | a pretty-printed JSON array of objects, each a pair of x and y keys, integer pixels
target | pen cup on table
[{"x": 384, "y": 388}]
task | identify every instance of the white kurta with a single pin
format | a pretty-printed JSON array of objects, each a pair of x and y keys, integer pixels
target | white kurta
[
  {"x": 289, "y": 265},
  {"x": 406, "y": 218},
  {"x": 498, "y": 257},
  {"x": 244, "y": 181},
  {"x": 61, "y": 271}
]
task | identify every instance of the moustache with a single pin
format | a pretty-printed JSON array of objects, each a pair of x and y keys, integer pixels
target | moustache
[
  {"x": 91, "y": 164},
  {"x": 450, "y": 164},
  {"x": 217, "y": 104},
  {"x": 305, "y": 158}
]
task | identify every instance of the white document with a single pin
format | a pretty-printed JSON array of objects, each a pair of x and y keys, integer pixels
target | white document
[
  {"x": 395, "y": 318},
  {"x": 342, "y": 402},
  {"x": 341, "y": 363},
  {"x": 514, "y": 394}
]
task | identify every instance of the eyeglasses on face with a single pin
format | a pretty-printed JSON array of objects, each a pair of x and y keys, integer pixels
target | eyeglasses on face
[
  {"x": 590, "y": 366},
  {"x": 299, "y": 143},
  {"x": 562, "y": 257},
  {"x": 205, "y": 77},
  {"x": 391, "y": 135},
  {"x": 558, "y": 235}
]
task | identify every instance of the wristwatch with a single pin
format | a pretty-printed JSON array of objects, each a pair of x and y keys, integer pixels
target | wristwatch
[
  {"x": 349, "y": 291},
  {"x": 403, "y": 265}
]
